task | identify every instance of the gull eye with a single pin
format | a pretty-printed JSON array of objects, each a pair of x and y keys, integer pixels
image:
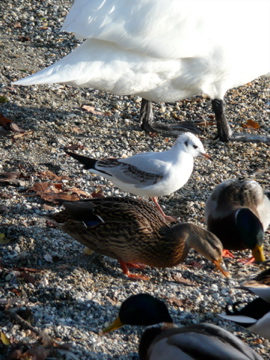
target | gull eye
[
  {"x": 186, "y": 142},
  {"x": 195, "y": 146}
]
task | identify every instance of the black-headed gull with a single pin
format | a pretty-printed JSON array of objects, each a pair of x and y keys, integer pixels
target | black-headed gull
[
  {"x": 150, "y": 174},
  {"x": 238, "y": 212},
  {"x": 165, "y": 50}
]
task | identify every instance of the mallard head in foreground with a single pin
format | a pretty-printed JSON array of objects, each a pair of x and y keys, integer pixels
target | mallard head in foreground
[{"x": 162, "y": 340}]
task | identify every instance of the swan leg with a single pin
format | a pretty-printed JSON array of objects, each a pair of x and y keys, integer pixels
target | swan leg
[
  {"x": 225, "y": 132},
  {"x": 148, "y": 125},
  {"x": 223, "y": 127}
]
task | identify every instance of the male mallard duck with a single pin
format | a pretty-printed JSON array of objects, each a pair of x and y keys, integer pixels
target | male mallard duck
[
  {"x": 260, "y": 285},
  {"x": 255, "y": 316},
  {"x": 150, "y": 174},
  {"x": 238, "y": 212},
  {"x": 165, "y": 50},
  {"x": 134, "y": 232},
  {"x": 164, "y": 340}
]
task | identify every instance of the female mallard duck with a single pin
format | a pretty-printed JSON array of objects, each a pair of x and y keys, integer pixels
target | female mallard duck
[
  {"x": 134, "y": 232},
  {"x": 238, "y": 212},
  {"x": 255, "y": 316},
  {"x": 164, "y": 340}
]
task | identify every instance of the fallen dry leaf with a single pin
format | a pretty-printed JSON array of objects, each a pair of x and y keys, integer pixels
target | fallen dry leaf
[
  {"x": 98, "y": 193},
  {"x": 250, "y": 124},
  {"x": 55, "y": 192},
  {"x": 183, "y": 281},
  {"x": 22, "y": 134},
  {"x": 27, "y": 269},
  {"x": 74, "y": 147},
  {"x": 175, "y": 301},
  {"x": 5, "y": 122},
  {"x": 91, "y": 109},
  {"x": 5, "y": 340},
  {"x": 27, "y": 277},
  {"x": 14, "y": 127},
  {"x": 37, "y": 352},
  {"x": 4, "y": 240},
  {"x": 51, "y": 176},
  {"x": 17, "y": 25},
  {"x": 24, "y": 38},
  {"x": 11, "y": 178}
]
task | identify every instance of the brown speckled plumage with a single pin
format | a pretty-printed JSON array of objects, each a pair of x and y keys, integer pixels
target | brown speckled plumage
[{"x": 134, "y": 232}]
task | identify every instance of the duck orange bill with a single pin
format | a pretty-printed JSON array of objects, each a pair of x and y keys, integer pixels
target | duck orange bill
[
  {"x": 116, "y": 324},
  {"x": 257, "y": 253},
  {"x": 221, "y": 267},
  {"x": 208, "y": 157}
]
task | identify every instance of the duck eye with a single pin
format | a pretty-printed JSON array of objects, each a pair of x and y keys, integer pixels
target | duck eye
[{"x": 195, "y": 146}]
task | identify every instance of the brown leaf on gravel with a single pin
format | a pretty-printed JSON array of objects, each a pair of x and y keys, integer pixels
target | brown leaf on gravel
[
  {"x": 11, "y": 178},
  {"x": 206, "y": 123},
  {"x": 24, "y": 38},
  {"x": 77, "y": 130},
  {"x": 5, "y": 340},
  {"x": 37, "y": 352},
  {"x": 5, "y": 122},
  {"x": 98, "y": 193},
  {"x": 250, "y": 124},
  {"x": 10, "y": 125},
  {"x": 14, "y": 127},
  {"x": 54, "y": 192},
  {"x": 91, "y": 109},
  {"x": 175, "y": 301},
  {"x": 17, "y": 25},
  {"x": 183, "y": 281},
  {"x": 28, "y": 269},
  {"x": 74, "y": 147},
  {"x": 27, "y": 277},
  {"x": 51, "y": 176}
]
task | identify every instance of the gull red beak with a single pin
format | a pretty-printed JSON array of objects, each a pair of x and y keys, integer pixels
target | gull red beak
[{"x": 208, "y": 157}]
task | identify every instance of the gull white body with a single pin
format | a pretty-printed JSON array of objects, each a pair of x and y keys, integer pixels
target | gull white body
[
  {"x": 174, "y": 167},
  {"x": 164, "y": 50},
  {"x": 150, "y": 174}
]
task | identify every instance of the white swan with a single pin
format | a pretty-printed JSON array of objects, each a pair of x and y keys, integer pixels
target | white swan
[{"x": 165, "y": 50}]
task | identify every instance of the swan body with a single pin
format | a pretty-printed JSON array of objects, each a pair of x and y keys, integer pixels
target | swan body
[{"x": 164, "y": 51}]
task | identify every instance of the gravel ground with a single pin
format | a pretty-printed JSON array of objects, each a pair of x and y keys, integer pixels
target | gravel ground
[{"x": 70, "y": 296}]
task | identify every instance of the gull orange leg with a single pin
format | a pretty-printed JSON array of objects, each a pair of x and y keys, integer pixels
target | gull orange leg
[
  {"x": 227, "y": 254},
  {"x": 136, "y": 266},
  {"x": 248, "y": 261},
  {"x": 168, "y": 218},
  {"x": 131, "y": 276}
]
